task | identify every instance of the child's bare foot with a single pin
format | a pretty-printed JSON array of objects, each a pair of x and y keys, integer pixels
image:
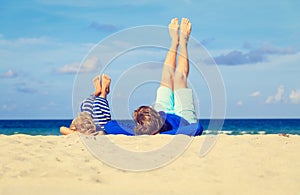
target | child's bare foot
[
  {"x": 97, "y": 85},
  {"x": 173, "y": 30},
  {"x": 185, "y": 31},
  {"x": 105, "y": 85}
]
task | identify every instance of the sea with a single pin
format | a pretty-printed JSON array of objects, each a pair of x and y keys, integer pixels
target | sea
[{"x": 230, "y": 126}]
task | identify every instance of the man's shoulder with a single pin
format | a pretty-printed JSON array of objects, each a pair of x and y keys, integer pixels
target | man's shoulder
[
  {"x": 174, "y": 117},
  {"x": 173, "y": 120}
]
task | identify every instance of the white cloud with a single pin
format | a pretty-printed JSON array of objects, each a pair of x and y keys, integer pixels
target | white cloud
[
  {"x": 255, "y": 94},
  {"x": 8, "y": 74},
  {"x": 89, "y": 65},
  {"x": 295, "y": 96},
  {"x": 24, "y": 41},
  {"x": 69, "y": 68},
  {"x": 278, "y": 97},
  {"x": 8, "y": 107},
  {"x": 240, "y": 103}
]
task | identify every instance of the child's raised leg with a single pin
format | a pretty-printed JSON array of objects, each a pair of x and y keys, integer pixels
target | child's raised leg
[
  {"x": 105, "y": 82},
  {"x": 101, "y": 111},
  {"x": 97, "y": 84}
]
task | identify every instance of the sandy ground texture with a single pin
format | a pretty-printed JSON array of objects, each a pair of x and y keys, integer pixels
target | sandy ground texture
[{"x": 247, "y": 164}]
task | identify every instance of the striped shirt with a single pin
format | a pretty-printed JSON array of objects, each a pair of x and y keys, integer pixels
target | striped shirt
[{"x": 98, "y": 108}]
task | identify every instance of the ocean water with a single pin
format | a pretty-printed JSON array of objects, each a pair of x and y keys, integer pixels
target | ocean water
[{"x": 230, "y": 127}]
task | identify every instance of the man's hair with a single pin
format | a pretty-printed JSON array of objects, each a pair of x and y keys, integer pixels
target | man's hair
[
  {"x": 83, "y": 123},
  {"x": 148, "y": 121}
]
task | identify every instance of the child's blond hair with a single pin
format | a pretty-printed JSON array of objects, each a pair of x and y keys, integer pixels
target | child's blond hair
[{"x": 83, "y": 123}]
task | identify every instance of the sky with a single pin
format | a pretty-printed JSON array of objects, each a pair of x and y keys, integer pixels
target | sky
[{"x": 50, "y": 51}]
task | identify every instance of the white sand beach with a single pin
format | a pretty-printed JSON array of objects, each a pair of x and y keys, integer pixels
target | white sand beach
[{"x": 246, "y": 164}]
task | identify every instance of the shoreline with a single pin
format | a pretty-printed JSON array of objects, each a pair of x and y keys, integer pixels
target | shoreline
[
  {"x": 205, "y": 133},
  {"x": 247, "y": 164}
]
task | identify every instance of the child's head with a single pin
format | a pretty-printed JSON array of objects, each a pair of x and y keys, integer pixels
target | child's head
[
  {"x": 148, "y": 121},
  {"x": 83, "y": 123}
]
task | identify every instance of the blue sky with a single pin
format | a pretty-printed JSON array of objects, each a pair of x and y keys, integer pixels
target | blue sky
[{"x": 255, "y": 44}]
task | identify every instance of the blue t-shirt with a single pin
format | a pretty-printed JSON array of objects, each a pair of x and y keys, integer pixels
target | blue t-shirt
[{"x": 174, "y": 125}]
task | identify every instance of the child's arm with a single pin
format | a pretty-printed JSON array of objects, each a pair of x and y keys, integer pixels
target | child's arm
[{"x": 66, "y": 130}]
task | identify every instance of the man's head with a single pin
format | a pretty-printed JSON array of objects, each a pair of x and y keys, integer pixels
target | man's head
[{"x": 148, "y": 121}]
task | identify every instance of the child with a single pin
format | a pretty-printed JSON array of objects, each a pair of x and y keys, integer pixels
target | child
[{"x": 95, "y": 112}]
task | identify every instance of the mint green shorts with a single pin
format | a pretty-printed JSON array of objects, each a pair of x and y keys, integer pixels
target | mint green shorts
[{"x": 179, "y": 102}]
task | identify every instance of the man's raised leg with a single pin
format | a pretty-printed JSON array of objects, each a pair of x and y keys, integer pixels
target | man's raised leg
[
  {"x": 165, "y": 96},
  {"x": 183, "y": 96},
  {"x": 182, "y": 72},
  {"x": 169, "y": 67}
]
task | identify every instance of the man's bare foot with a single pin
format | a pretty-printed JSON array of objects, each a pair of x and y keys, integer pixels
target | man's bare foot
[
  {"x": 105, "y": 85},
  {"x": 185, "y": 31},
  {"x": 97, "y": 85},
  {"x": 173, "y": 30}
]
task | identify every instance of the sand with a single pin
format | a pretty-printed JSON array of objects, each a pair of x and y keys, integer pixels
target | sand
[{"x": 246, "y": 164}]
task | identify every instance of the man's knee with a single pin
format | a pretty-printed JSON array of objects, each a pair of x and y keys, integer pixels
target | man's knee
[
  {"x": 180, "y": 80},
  {"x": 180, "y": 76}
]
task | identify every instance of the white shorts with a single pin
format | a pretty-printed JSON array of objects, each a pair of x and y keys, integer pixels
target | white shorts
[{"x": 179, "y": 102}]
